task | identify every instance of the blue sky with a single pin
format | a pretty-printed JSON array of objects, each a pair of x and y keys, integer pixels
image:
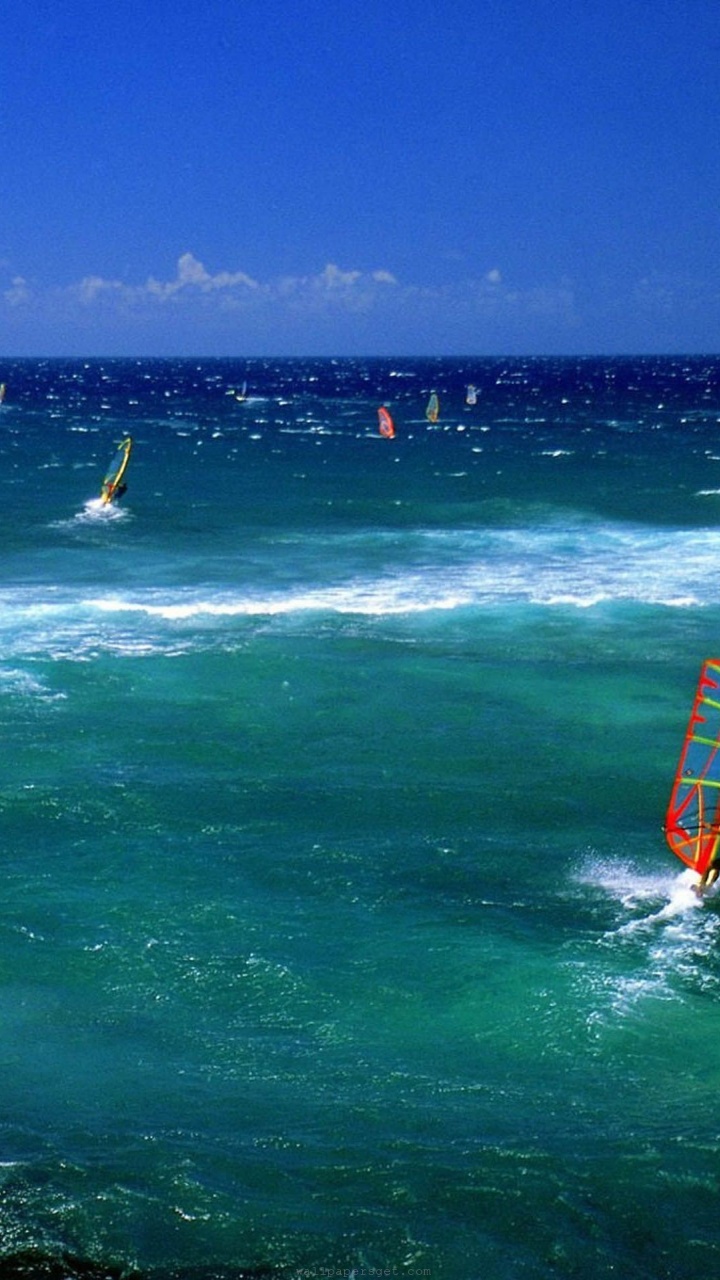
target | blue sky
[{"x": 339, "y": 177}]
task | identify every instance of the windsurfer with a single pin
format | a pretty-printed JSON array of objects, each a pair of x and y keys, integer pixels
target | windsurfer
[{"x": 113, "y": 485}]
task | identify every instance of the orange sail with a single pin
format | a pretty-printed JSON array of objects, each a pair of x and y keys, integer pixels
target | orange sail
[
  {"x": 692, "y": 825},
  {"x": 386, "y": 425}
]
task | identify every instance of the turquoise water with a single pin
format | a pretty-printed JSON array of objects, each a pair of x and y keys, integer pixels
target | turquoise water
[{"x": 339, "y": 934}]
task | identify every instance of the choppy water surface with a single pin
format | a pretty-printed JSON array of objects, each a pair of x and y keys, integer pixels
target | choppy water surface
[{"x": 339, "y": 933}]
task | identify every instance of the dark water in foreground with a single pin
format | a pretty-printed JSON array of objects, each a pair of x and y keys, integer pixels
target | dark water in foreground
[{"x": 338, "y": 932}]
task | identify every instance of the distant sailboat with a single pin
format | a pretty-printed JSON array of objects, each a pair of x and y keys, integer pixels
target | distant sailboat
[
  {"x": 112, "y": 486},
  {"x": 238, "y": 395},
  {"x": 471, "y": 395},
  {"x": 432, "y": 412},
  {"x": 386, "y": 426},
  {"x": 3, "y": 389}
]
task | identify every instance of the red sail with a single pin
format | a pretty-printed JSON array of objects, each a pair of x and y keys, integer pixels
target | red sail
[{"x": 385, "y": 423}]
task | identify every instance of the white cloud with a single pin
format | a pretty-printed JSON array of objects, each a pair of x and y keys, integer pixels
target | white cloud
[
  {"x": 92, "y": 286},
  {"x": 337, "y": 300},
  {"x": 490, "y": 298},
  {"x": 332, "y": 282},
  {"x": 192, "y": 279},
  {"x": 191, "y": 274},
  {"x": 18, "y": 293},
  {"x": 333, "y": 278}
]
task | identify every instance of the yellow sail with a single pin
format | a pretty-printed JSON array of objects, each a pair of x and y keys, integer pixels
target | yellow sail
[
  {"x": 112, "y": 485},
  {"x": 432, "y": 413}
]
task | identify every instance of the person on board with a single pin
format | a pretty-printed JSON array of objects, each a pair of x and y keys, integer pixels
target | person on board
[
  {"x": 110, "y": 494},
  {"x": 708, "y": 878}
]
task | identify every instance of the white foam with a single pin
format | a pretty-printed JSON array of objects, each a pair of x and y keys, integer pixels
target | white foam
[
  {"x": 378, "y": 602},
  {"x": 683, "y": 898},
  {"x": 552, "y": 565},
  {"x": 16, "y": 681},
  {"x": 632, "y": 888},
  {"x": 669, "y": 932},
  {"x": 96, "y": 509}
]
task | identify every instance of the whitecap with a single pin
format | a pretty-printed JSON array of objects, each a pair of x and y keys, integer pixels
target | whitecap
[
  {"x": 17, "y": 681},
  {"x": 663, "y": 931},
  {"x": 96, "y": 509},
  {"x": 380, "y": 601}
]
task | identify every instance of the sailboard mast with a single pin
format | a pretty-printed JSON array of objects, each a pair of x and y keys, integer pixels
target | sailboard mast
[{"x": 692, "y": 824}]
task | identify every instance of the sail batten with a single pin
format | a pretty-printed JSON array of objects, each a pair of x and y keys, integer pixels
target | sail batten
[{"x": 692, "y": 825}]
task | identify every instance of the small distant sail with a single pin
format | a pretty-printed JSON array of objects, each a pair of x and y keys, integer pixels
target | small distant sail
[
  {"x": 386, "y": 425},
  {"x": 238, "y": 395},
  {"x": 112, "y": 486},
  {"x": 432, "y": 413},
  {"x": 3, "y": 390},
  {"x": 471, "y": 394},
  {"x": 692, "y": 824}
]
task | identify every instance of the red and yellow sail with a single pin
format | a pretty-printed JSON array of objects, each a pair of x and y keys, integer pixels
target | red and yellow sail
[
  {"x": 692, "y": 825},
  {"x": 386, "y": 426}
]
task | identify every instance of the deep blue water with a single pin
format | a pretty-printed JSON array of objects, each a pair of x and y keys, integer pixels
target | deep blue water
[{"x": 339, "y": 934}]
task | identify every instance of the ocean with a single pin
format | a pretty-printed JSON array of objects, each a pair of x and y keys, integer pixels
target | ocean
[{"x": 339, "y": 935}]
